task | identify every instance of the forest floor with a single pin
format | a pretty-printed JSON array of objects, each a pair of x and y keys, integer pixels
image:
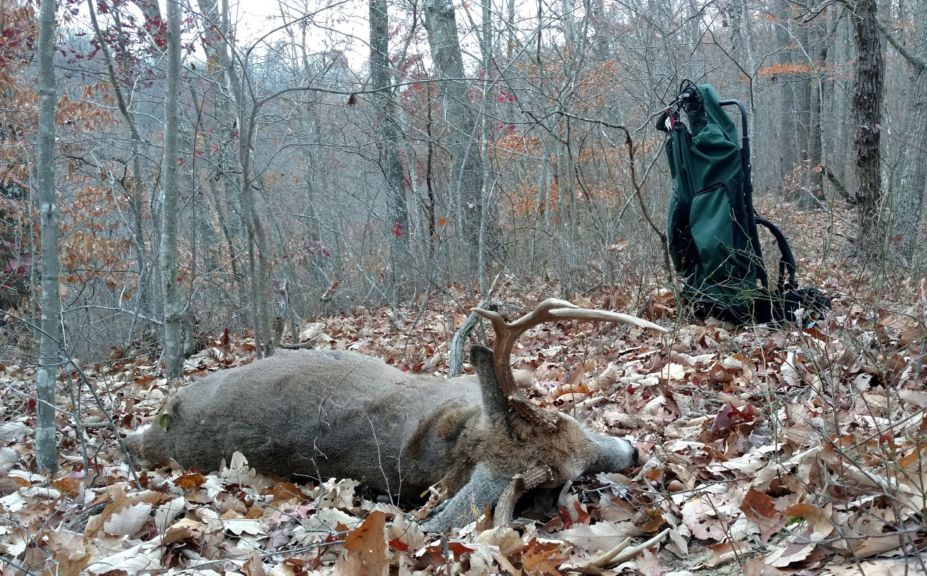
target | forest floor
[{"x": 767, "y": 451}]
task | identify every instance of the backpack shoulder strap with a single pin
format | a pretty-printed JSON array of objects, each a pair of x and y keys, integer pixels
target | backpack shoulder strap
[{"x": 786, "y": 258}]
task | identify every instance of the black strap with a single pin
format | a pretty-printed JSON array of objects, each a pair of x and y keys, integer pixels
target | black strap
[{"x": 786, "y": 259}]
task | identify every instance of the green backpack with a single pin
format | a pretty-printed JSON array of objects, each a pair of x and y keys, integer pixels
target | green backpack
[{"x": 712, "y": 226}]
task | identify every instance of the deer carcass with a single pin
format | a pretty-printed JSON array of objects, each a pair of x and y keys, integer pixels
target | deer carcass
[{"x": 315, "y": 414}]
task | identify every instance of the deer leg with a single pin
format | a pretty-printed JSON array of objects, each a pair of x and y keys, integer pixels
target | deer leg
[
  {"x": 482, "y": 491},
  {"x": 505, "y": 508}
]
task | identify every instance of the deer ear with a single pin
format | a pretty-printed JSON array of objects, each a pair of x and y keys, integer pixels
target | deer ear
[{"x": 494, "y": 401}]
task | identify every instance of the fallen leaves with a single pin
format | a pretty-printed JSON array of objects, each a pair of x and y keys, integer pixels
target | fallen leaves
[
  {"x": 786, "y": 451},
  {"x": 365, "y": 549}
]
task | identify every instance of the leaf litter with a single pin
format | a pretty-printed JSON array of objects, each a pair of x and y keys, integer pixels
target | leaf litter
[{"x": 765, "y": 452}]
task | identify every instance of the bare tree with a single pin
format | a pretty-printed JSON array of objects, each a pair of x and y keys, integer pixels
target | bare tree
[
  {"x": 173, "y": 307},
  {"x": 816, "y": 44},
  {"x": 787, "y": 125},
  {"x": 388, "y": 147},
  {"x": 908, "y": 206},
  {"x": 466, "y": 169},
  {"x": 135, "y": 192},
  {"x": 45, "y": 443},
  {"x": 867, "y": 113}
]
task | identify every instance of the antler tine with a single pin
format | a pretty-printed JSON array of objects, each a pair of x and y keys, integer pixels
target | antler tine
[
  {"x": 605, "y": 316},
  {"x": 507, "y": 333}
]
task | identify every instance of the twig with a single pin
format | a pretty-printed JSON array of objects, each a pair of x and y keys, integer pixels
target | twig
[
  {"x": 916, "y": 62},
  {"x": 79, "y": 426},
  {"x": 638, "y": 186},
  {"x": 16, "y": 566},
  {"x": 455, "y": 350},
  {"x": 838, "y": 185},
  {"x": 616, "y": 555},
  {"x": 96, "y": 397}
]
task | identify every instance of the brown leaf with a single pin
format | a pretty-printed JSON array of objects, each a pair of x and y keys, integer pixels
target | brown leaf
[
  {"x": 506, "y": 539},
  {"x": 253, "y": 566},
  {"x": 184, "y": 529},
  {"x": 365, "y": 548},
  {"x": 758, "y": 567},
  {"x": 728, "y": 417},
  {"x": 649, "y": 565},
  {"x": 599, "y": 536},
  {"x": 10, "y": 484},
  {"x": 128, "y": 520},
  {"x": 119, "y": 500},
  {"x": 804, "y": 541},
  {"x": 542, "y": 559},
  {"x": 69, "y": 552},
  {"x": 284, "y": 491},
  {"x": 190, "y": 481},
  {"x": 761, "y": 509}
]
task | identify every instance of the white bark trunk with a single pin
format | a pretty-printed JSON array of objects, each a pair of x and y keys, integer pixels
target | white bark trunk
[
  {"x": 46, "y": 449},
  {"x": 173, "y": 308}
]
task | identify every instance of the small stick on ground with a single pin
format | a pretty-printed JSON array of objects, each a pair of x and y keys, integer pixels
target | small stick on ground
[{"x": 617, "y": 555}]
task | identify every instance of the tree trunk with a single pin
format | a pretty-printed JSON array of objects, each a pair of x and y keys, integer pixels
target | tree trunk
[
  {"x": 466, "y": 171},
  {"x": 909, "y": 204},
  {"x": 258, "y": 251},
  {"x": 805, "y": 94},
  {"x": 817, "y": 52},
  {"x": 788, "y": 128},
  {"x": 46, "y": 448},
  {"x": 173, "y": 307},
  {"x": 487, "y": 189},
  {"x": 397, "y": 221},
  {"x": 867, "y": 110},
  {"x": 225, "y": 197}
]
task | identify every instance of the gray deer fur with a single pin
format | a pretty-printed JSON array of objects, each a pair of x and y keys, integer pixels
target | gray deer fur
[{"x": 316, "y": 414}]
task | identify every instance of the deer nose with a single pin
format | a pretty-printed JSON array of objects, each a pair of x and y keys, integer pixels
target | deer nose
[{"x": 635, "y": 457}]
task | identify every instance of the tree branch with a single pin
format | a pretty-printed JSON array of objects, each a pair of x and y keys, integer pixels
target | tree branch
[
  {"x": 838, "y": 185},
  {"x": 914, "y": 60},
  {"x": 638, "y": 188}
]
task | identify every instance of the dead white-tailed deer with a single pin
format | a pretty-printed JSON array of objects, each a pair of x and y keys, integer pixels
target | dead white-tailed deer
[{"x": 316, "y": 414}]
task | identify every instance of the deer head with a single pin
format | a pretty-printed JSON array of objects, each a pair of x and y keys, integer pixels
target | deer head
[{"x": 522, "y": 446}]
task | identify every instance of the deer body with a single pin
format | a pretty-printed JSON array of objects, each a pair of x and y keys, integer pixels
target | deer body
[
  {"x": 315, "y": 415},
  {"x": 318, "y": 414}
]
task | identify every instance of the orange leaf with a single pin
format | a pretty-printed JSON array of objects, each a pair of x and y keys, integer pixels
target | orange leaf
[
  {"x": 190, "y": 481},
  {"x": 284, "y": 491},
  {"x": 68, "y": 485},
  {"x": 397, "y": 544},
  {"x": 761, "y": 509},
  {"x": 365, "y": 549},
  {"x": 542, "y": 559}
]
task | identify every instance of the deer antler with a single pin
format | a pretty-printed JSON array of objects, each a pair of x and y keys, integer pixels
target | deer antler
[
  {"x": 547, "y": 311},
  {"x": 521, "y": 483}
]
